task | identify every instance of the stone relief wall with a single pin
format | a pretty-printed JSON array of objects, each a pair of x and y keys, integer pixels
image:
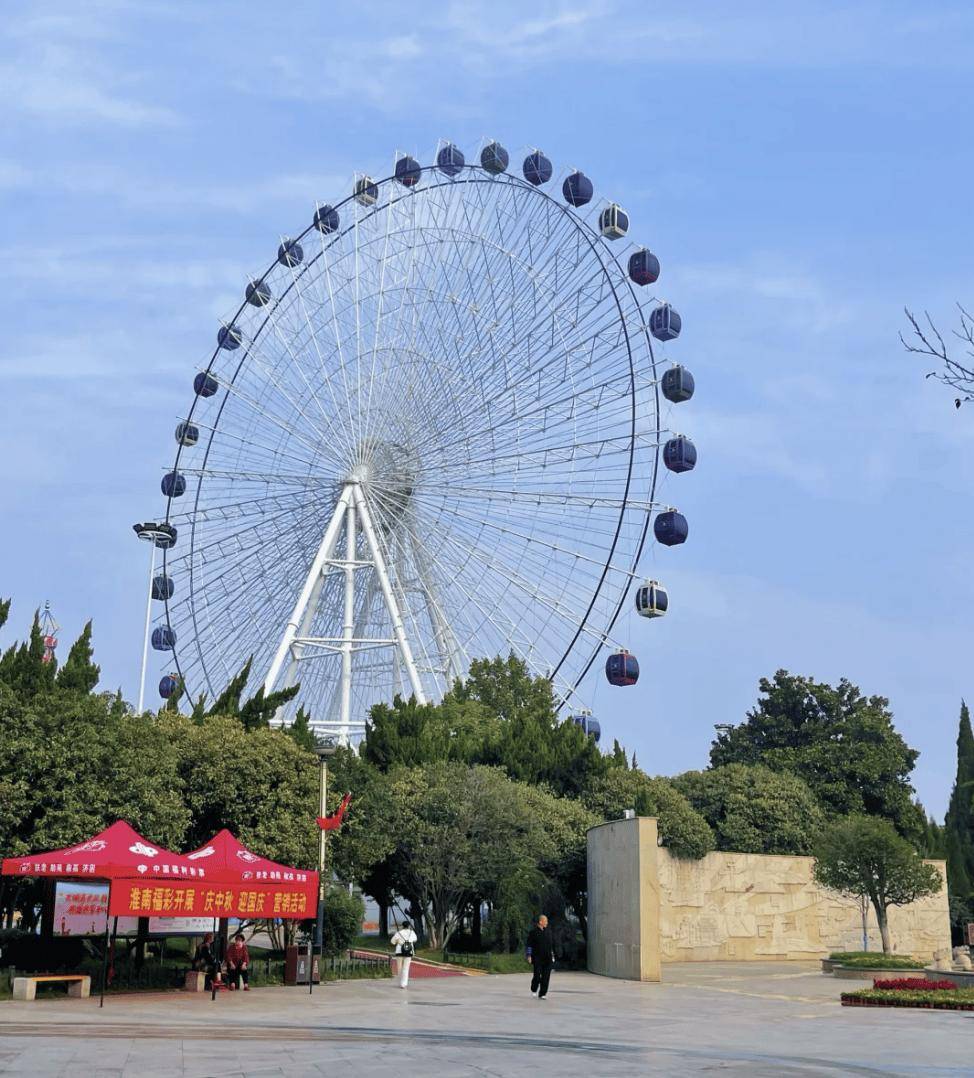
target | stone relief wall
[{"x": 738, "y": 906}]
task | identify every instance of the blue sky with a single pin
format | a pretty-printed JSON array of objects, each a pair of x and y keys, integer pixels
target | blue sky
[{"x": 803, "y": 171}]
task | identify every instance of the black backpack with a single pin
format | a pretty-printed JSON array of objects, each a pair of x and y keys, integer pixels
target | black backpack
[{"x": 406, "y": 949}]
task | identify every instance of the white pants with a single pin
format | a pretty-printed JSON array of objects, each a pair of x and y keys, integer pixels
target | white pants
[{"x": 404, "y": 964}]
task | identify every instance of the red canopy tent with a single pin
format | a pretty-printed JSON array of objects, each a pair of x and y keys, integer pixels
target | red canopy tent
[
  {"x": 115, "y": 853},
  {"x": 221, "y": 879},
  {"x": 238, "y": 883}
]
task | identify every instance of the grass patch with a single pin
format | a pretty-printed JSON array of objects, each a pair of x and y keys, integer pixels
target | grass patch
[
  {"x": 878, "y": 961},
  {"x": 940, "y": 999},
  {"x": 488, "y": 961}
]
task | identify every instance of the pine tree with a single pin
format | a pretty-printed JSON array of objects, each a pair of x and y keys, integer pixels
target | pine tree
[
  {"x": 300, "y": 730},
  {"x": 959, "y": 823},
  {"x": 79, "y": 673},
  {"x": 4, "y": 611},
  {"x": 23, "y": 668}
]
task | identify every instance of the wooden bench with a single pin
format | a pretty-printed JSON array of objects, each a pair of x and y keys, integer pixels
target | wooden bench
[{"x": 79, "y": 984}]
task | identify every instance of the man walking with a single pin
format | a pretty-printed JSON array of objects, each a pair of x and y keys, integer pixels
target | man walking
[
  {"x": 541, "y": 955},
  {"x": 405, "y": 943}
]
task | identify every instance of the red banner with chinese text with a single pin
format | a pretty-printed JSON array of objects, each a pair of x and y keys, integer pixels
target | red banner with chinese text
[{"x": 162, "y": 898}]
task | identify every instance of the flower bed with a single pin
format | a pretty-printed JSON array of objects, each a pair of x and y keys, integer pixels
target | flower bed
[
  {"x": 935, "y": 998},
  {"x": 911, "y": 984}
]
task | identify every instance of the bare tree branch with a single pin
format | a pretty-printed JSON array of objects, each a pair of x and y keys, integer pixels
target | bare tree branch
[{"x": 929, "y": 342}]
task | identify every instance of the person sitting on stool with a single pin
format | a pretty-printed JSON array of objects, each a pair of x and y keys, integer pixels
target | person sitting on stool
[
  {"x": 238, "y": 962},
  {"x": 205, "y": 960}
]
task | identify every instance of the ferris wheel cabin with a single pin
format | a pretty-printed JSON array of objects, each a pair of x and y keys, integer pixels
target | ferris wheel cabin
[
  {"x": 589, "y": 725},
  {"x": 680, "y": 454},
  {"x": 677, "y": 384},
  {"x": 621, "y": 668},
  {"x": 652, "y": 600},
  {"x": 537, "y": 168}
]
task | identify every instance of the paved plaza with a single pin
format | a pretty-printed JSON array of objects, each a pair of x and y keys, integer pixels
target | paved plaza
[{"x": 774, "y": 1019}]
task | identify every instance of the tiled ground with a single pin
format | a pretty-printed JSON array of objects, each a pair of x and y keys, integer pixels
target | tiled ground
[{"x": 764, "y": 1019}]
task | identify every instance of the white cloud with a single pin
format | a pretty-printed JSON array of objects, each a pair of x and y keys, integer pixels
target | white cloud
[{"x": 68, "y": 67}]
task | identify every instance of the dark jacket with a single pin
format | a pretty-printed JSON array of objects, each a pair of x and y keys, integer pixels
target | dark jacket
[
  {"x": 540, "y": 947},
  {"x": 205, "y": 958}
]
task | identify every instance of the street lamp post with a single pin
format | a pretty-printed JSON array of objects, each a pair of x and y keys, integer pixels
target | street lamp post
[
  {"x": 162, "y": 536},
  {"x": 325, "y": 748}
]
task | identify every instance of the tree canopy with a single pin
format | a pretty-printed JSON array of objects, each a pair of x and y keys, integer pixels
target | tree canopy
[
  {"x": 842, "y": 744},
  {"x": 752, "y": 809},
  {"x": 864, "y": 856}
]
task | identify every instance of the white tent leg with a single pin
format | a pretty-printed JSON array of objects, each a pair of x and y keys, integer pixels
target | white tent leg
[
  {"x": 325, "y": 551},
  {"x": 398, "y": 629}
]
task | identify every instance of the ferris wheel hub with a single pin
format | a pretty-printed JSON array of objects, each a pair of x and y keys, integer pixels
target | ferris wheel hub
[{"x": 388, "y": 472}]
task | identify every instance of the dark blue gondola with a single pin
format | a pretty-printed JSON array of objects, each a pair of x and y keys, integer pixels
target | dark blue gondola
[
  {"x": 205, "y": 384},
  {"x": 290, "y": 253},
  {"x": 450, "y": 160},
  {"x": 229, "y": 337},
  {"x": 643, "y": 266},
  {"x": 680, "y": 454},
  {"x": 169, "y": 685},
  {"x": 163, "y": 638},
  {"x": 258, "y": 293},
  {"x": 162, "y": 587},
  {"x": 187, "y": 434},
  {"x": 665, "y": 323},
  {"x": 537, "y": 168},
  {"x": 494, "y": 158},
  {"x": 577, "y": 189},
  {"x": 622, "y": 669},
  {"x": 408, "y": 171},
  {"x": 326, "y": 219},
  {"x": 589, "y": 725},
  {"x": 671, "y": 528},
  {"x": 173, "y": 485},
  {"x": 677, "y": 384},
  {"x": 652, "y": 600}
]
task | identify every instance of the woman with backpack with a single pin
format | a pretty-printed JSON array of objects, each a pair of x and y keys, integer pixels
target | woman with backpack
[{"x": 405, "y": 943}]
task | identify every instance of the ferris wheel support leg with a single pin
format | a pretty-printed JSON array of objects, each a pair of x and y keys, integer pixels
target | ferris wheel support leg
[
  {"x": 445, "y": 640},
  {"x": 398, "y": 629},
  {"x": 297, "y": 648},
  {"x": 148, "y": 618},
  {"x": 325, "y": 551},
  {"x": 348, "y": 625}
]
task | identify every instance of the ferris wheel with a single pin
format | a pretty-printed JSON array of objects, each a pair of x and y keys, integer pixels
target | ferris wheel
[{"x": 431, "y": 432}]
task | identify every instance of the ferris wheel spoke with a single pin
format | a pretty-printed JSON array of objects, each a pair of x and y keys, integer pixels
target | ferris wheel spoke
[{"x": 332, "y": 427}]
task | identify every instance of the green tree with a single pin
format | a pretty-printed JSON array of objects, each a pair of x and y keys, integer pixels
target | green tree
[
  {"x": 683, "y": 831},
  {"x": 465, "y": 834},
  {"x": 500, "y": 716},
  {"x": 959, "y": 822},
  {"x": 253, "y": 713},
  {"x": 864, "y": 856},
  {"x": 71, "y": 764},
  {"x": 752, "y": 809},
  {"x": 23, "y": 669},
  {"x": 342, "y": 921},
  {"x": 79, "y": 673},
  {"x": 258, "y": 783},
  {"x": 842, "y": 744}
]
